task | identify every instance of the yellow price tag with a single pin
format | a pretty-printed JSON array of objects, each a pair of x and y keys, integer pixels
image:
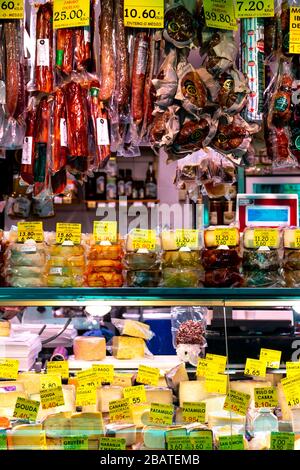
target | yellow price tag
[
  {"x": 220, "y": 14},
  {"x": 68, "y": 233},
  {"x": 266, "y": 237},
  {"x": 144, "y": 13},
  {"x": 161, "y": 414},
  {"x": 179, "y": 443},
  {"x": 255, "y": 367},
  {"x": 49, "y": 381},
  {"x": 50, "y": 398},
  {"x": 217, "y": 362},
  {"x": 237, "y": 402},
  {"x": 58, "y": 367},
  {"x": 120, "y": 411},
  {"x": 265, "y": 397},
  {"x": 294, "y": 33},
  {"x": 143, "y": 239},
  {"x": 201, "y": 440},
  {"x": 75, "y": 443},
  {"x": 188, "y": 238},
  {"x": 26, "y": 409},
  {"x": 203, "y": 367},
  {"x": 226, "y": 236},
  {"x": 291, "y": 389},
  {"x": 71, "y": 13},
  {"x": 148, "y": 375},
  {"x": 271, "y": 357},
  {"x": 231, "y": 442},
  {"x": 292, "y": 368},
  {"x": 9, "y": 368},
  {"x": 105, "y": 231},
  {"x": 216, "y": 383},
  {"x": 254, "y": 8},
  {"x": 11, "y": 9},
  {"x": 193, "y": 412},
  {"x": 85, "y": 395},
  {"x": 135, "y": 394},
  {"x": 104, "y": 373},
  {"x": 112, "y": 443},
  {"x": 88, "y": 378},
  {"x": 30, "y": 231}
]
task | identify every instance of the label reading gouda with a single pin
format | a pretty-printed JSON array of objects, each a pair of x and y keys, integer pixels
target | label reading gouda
[
  {"x": 161, "y": 414},
  {"x": 188, "y": 238},
  {"x": 76, "y": 443},
  {"x": 148, "y": 375},
  {"x": 237, "y": 402},
  {"x": 105, "y": 373},
  {"x": 70, "y": 14},
  {"x": 179, "y": 443},
  {"x": 58, "y": 367},
  {"x": 9, "y": 368},
  {"x": 52, "y": 397},
  {"x": 68, "y": 233},
  {"x": 193, "y": 412},
  {"x": 216, "y": 383},
  {"x": 135, "y": 394},
  {"x": 26, "y": 409},
  {"x": 30, "y": 231},
  {"x": 112, "y": 443},
  {"x": 120, "y": 411},
  {"x": 105, "y": 231},
  {"x": 144, "y": 13},
  {"x": 265, "y": 397},
  {"x": 255, "y": 367},
  {"x": 271, "y": 357}
]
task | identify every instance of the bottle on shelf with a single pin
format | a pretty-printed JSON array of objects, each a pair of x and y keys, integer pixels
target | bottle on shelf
[
  {"x": 151, "y": 183},
  {"x": 265, "y": 421},
  {"x": 100, "y": 185},
  {"x": 121, "y": 183},
  {"x": 141, "y": 190},
  {"x": 128, "y": 184},
  {"x": 135, "y": 190}
]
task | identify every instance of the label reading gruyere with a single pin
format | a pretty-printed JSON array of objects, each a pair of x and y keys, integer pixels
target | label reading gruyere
[
  {"x": 216, "y": 383},
  {"x": 52, "y": 397},
  {"x": 282, "y": 440},
  {"x": 271, "y": 357},
  {"x": 68, "y": 233},
  {"x": 148, "y": 375},
  {"x": 143, "y": 239},
  {"x": 187, "y": 238},
  {"x": 266, "y": 237},
  {"x": 75, "y": 443},
  {"x": 86, "y": 396},
  {"x": 291, "y": 389},
  {"x": 112, "y": 443},
  {"x": 202, "y": 440},
  {"x": 104, "y": 373},
  {"x": 136, "y": 394},
  {"x": 255, "y": 367},
  {"x": 193, "y": 412},
  {"x": 120, "y": 411},
  {"x": 161, "y": 414},
  {"x": 58, "y": 367},
  {"x": 179, "y": 443},
  {"x": 30, "y": 231},
  {"x": 218, "y": 362},
  {"x": 49, "y": 381},
  {"x": 105, "y": 231},
  {"x": 237, "y": 402},
  {"x": 26, "y": 409},
  {"x": 9, "y": 368},
  {"x": 265, "y": 397},
  {"x": 231, "y": 442},
  {"x": 292, "y": 368}
]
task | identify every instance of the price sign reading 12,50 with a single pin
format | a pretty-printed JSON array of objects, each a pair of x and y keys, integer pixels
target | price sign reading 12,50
[
  {"x": 68, "y": 14},
  {"x": 144, "y": 13}
]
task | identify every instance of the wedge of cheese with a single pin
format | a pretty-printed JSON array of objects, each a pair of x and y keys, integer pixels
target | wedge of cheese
[
  {"x": 57, "y": 425},
  {"x": 223, "y": 418},
  {"x": 26, "y": 437},
  {"x": 105, "y": 395},
  {"x": 193, "y": 390},
  {"x": 159, "y": 395},
  {"x": 126, "y": 347},
  {"x": 8, "y": 402},
  {"x": 89, "y": 348},
  {"x": 87, "y": 424},
  {"x": 122, "y": 431},
  {"x": 175, "y": 376}
]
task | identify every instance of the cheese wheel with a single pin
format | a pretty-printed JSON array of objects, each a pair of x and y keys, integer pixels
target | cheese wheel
[
  {"x": 89, "y": 348},
  {"x": 126, "y": 347},
  {"x": 26, "y": 437},
  {"x": 193, "y": 390}
]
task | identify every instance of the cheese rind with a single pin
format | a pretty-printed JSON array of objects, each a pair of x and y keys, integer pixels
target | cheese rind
[
  {"x": 88, "y": 348},
  {"x": 127, "y": 347}
]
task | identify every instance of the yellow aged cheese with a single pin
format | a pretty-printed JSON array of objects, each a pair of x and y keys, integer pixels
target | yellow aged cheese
[
  {"x": 126, "y": 347},
  {"x": 168, "y": 240},
  {"x": 136, "y": 329},
  {"x": 122, "y": 431},
  {"x": 106, "y": 394},
  {"x": 4, "y": 328},
  {"x": 123, "y": 379},
  {"x": 57, "y": 425},
  {"x": 31, "y": 381},
  {"x": 26, "y": 437},
  {"x": 87, "y": 424},
  {"x": 88, "y": 348},
  {"x": 248, "y": 386},
  {"x": 138, "y": 411},
  {"x": 159, "y": 395},
  {"x": 176, "y": 375},
  {"x": 8, "y": 402}
]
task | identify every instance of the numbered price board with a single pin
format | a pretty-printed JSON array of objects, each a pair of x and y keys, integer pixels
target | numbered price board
[
  {"x": 271, "y": 357},
  {"x": 291, "y": 389},
  {"x": 237, "y": 402},
  {"x": 30, "y": 231},
  {"x": 179, "y": 443},
  {"x": 120, "y": 411},
  {"x": 58, "y": 367},
  {"x": 266, "y": 237},
  {"x": 265, "y": 397},
  {"x": 9, "y": 368},
  {"x": 105, "y": 373},
  {"x": 202, "y": 440},
  {"x": 68, "y": 233},
  {"x": 105, "y": 231},
  {"x": 49, "y": 381},
  {"x": 12, "y": 10},
  {"x": 52, "y": 397},
  {"x": 254, "y": 8},
  {"x": 217, "y": 362},
  {"x": 193, "y": 412},
  {"x": 282, "y": 440},
  {"x": 231, "y": 442},
  {"x": 143, "y": 239},
  {"x": 294, "y": 35},
  {"x": 187, "y": 238},
  {"x": 71, "y": 13},
  {"x": 148, "y": 375},
  {"x": 135, "y": 394},
  {"x": 76, "y": 443},
  {"x": 216, "y": 383},
  {"x": 255, "y": 367},
  {"x": 144, "y": 13},
  {"x": 112, "y": 443},
  {"x": 226, "y": 236},
  {"x": 26, "y": 409},
  {"x": 220, "y": 14},
  {"x": 161, "y": 414}
]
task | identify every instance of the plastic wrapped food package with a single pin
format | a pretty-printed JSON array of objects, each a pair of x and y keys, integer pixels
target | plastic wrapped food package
[
  {"x": 263, "y": 259},
  {"x": 220, "y": 258},
  {"x": 180, "y": 277},
  {"x": 291, "y": 257},
  {"x": 104, "y": 265},
  {"x": 66, "y": 264},
  {"x": 25, "y": 264},
  {"x": 141, "y": 260},
  {"x": 133, "y": 328},
  {"x": 181, "y": 259},
  {"x": 223, "y": 278}
]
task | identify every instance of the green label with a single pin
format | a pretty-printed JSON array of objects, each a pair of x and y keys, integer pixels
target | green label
[
  {"x": 75, "y": 443},
  {"x": 202, "y": 440},
  {"x": 59, "y": 57},
  {"x": 3, "y": 441},
  {"x": 282, "y": 440},
  {"x": 281, "y": 104},
  {"x": 232, "y": 442},
  {"x": 94, "y": 91},
  {"x": 297, "y": 142},
  {"x": 112, "y": 443},
  {"x": 179, "y": 443}
]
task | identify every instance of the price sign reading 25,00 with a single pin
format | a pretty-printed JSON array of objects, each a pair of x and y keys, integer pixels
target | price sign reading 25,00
[
  {"x": 68, "y": 14},
  {"x": 144, "y": 13}
]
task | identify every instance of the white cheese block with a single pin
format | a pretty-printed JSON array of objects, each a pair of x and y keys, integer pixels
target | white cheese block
[
  {"x": 154, "y": 437},
  {"x": 106, "y": 394},
  {"x": 176, "y": 375},
  {"x": 193, "y": 390},
  {"x": 122, "y": 431},
  {"x": 223, "y": 417},
  {"x": 26, "y": 437},
  {"x": 88, "y": 424},
  {"x": 159, "y": 395},
  {"x": 31, "y": 381},
  {"x": 89, "y": 348},
  {"x": 57, "y": 425}
]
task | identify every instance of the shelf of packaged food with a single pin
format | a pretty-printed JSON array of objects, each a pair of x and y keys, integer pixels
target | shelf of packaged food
[
  {"x": 161, "y": 362},
  {"x": 92, "y": 204},
  {"x": 156, "y": 296}
]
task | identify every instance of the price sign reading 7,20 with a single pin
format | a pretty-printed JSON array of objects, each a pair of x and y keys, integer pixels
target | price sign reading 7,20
[{"x": 254, "y": 9}]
